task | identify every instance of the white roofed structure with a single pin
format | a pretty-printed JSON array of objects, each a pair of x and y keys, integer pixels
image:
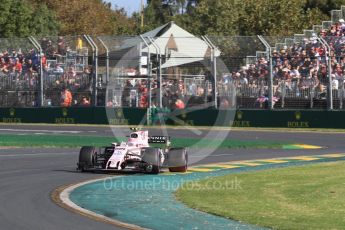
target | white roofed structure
[
  {"x": 178, "y": 46},
  {"x": 169, "y": 57}
]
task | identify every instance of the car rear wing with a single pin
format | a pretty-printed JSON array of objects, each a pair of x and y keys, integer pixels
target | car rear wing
[{"x": 159, "y": 140}]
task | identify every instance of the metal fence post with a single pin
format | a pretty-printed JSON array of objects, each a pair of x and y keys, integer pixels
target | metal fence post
[
  {"x": 107, "y": 59},
  {"x": 312, "y": 95},
  {"x": 149, "y": 75},
  {"x": 214, "y": 70},
  {"x": 95, "y": 67},
  {"x": 39, "y": 48},
  {"x": 159, "y": 70},
  {"x": 330, "y": 92},
  {"x": 96, "y": 70},
  {"x": 341, "y": 93},
  {"x": 149, "y": 70},
  {"x": 151, "y": 67},
  {"x": 269, "y": 55}
]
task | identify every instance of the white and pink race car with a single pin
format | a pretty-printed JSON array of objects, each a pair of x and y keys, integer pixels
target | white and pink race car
[{"x": 136, "y": 155}]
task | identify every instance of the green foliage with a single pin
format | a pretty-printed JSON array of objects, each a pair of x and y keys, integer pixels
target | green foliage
[
  {"x": 275, "y": 17},
  {"x": 227, "y": 17},
  {"x": 20, "y": 19},
  {"x": 245, "y": 17},
  {"x": 16, "y": 18},
  {"x": 94, "y": 17},
  {"x": 44, "y": 22},
  {"x": 325, "y": 6},
  {"x": 5, "y": 7},
  {"x": 252, "y": 17},
  {"x": 157, "y": 13}
]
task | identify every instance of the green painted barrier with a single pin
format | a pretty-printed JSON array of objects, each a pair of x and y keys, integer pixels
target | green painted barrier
[
  {"x": 290, "y": 119},
  {"x": 73, "y": 115},
  {"x": 199, "y": 117},
  {"x": 261, "y": 118}
]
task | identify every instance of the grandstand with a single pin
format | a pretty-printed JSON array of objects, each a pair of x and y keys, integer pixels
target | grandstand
[
  {"x": 306, "y": 70},
  {"x": 35, "y": 66},
  {"x": 162, "y": 66}
]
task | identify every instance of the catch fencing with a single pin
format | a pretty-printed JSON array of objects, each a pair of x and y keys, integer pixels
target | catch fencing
[{"x": 304, "y": 71}]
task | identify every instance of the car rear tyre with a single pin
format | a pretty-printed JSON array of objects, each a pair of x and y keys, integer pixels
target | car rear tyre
[{"x": 178, "y": 160}]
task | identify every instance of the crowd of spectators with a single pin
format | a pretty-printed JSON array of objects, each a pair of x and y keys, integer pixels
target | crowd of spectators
[
  {"x": 18, "y": 69},
  {"x": 175, "y": 94},
  {"x": 66, "y": 67},
  {"x": 300, "y": 70},
  {"x": 62, "y": 68}
]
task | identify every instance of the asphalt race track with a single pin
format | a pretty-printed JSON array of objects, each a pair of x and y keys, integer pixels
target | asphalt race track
[{"x": 28, "y": 176}]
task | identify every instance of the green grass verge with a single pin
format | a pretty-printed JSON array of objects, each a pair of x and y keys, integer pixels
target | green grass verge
[
  {"x": 77, "y": 141},
  {"x": 256, "y": 129},
  {"x": 306, "y": 197}
]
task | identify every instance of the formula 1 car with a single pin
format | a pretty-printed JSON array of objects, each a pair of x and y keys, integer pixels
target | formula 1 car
[{"x": 135, "y": 155}]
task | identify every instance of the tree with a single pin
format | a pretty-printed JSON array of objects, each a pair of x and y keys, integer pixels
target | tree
[
  {"x": 44, "y": 22},
  {"x": 275, "y": 17},
  {"x": 19, "y": 18},
  {"x": 5, "y": 8},
  {"x": 94, "y": 17},
  {"x": 250, "y": 17},
  {"x": 177, "y": 6},
  {"x": 16, "y": 19},
  {"x": 157, "y": 13},
  {"x": 123, "y": 25},
  {"x": 210, "y": 17},
  {"x": 325, "y": 6}
]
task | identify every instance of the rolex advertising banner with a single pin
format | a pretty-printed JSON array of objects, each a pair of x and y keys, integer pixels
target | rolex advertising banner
[
  {"x": 201, "y": 117},
  {"x": 74, "y": 115}
]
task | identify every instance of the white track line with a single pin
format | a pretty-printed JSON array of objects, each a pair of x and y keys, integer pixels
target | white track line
[
  {"x": 39, "y": 130},
  {"x": 34, "y": 154},
  {"x": 217, "y": 155},
  {"x": 64, "y": 198}
]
